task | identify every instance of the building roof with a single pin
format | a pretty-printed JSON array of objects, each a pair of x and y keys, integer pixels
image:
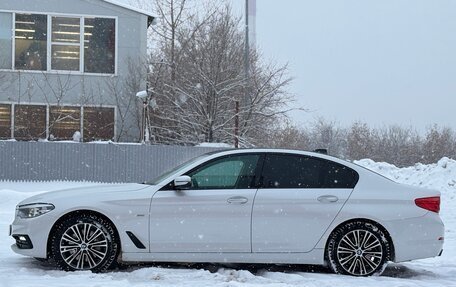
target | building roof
[{"x": 129, "y": 7}]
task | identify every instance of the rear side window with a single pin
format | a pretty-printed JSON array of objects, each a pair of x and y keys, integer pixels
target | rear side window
[
  {"x": 289, "y": 171},
  {"x": 296, "y": 171},
  {"x": 335, "y": 175}
]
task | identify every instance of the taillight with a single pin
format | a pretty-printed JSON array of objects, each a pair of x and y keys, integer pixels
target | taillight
[{"x": 429, "y": 203}]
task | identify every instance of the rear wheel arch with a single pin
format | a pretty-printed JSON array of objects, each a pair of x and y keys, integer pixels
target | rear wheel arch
[{"x": 392, "y": 252}]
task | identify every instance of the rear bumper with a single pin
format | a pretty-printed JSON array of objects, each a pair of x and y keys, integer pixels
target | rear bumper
[{"x": 417, "y": 238}]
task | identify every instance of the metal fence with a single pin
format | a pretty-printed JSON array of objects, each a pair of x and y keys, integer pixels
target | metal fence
[{"x": 46, "y": 161}]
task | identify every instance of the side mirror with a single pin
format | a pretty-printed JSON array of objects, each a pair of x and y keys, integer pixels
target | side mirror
[{"x": 182, "y": 182}]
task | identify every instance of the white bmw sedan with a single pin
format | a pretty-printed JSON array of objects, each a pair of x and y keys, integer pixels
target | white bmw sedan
[{"x": 237, "y": 206}]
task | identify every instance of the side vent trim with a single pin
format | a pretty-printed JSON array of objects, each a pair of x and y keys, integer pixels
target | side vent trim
[{"x": 135, "y": 240}]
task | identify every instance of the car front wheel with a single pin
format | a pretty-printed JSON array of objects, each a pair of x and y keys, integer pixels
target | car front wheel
[
  {"x": 358, "y": 249},
  {"x": 84, "y": 242}
]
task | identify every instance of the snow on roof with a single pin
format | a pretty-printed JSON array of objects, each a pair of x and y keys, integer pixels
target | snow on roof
[{"x": 129, "y": 7}]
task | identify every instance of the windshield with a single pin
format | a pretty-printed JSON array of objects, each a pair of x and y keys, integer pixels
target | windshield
[{"x": 178, "y": 169}]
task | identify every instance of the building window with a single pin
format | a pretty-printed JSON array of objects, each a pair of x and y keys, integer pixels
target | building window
[
  {"x": 5, "y": 40},
  {"x": 33, "y": 122},
  {"x": 29, "y": 122},
  {"x": 79, "y": 44},
  {"x": 66, "y": 39},
  {"x": 64, "y": 122},
  {"x": 5, "y": 121},
  {"x": 98, "y": 123},
  {"x": 31, "y": 42},
  {"x": 99, "y": 47}
]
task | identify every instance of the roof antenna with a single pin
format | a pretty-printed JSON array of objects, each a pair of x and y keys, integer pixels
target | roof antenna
[{"x": 321, "y": 150}]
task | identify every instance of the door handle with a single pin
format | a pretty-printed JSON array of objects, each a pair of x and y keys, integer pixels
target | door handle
[
  {"x": 237, "y": 200},
  {"x": 328, "y": 198}
]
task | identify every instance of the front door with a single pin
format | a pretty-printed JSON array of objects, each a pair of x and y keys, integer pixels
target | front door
[{"x": 214, "y": 215}]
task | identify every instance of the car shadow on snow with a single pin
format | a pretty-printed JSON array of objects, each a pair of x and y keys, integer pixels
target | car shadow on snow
[
  {"x": 401, "y": 271},
  {"x": 215, "y": 267},
  {"x": 393, "y": 270}
]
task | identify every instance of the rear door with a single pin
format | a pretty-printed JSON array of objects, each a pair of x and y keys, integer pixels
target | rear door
[
  {"x": 298, "y": 199},
  {"x": 214, "y": 215}
]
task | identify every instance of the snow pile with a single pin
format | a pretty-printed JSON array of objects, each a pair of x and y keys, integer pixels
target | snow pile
[
  {"x": 16, "y": 270},
  {"x": 440, "y": 176}
]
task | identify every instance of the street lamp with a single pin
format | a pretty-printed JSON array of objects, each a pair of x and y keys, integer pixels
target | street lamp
[{"x": 142, "y": 95}]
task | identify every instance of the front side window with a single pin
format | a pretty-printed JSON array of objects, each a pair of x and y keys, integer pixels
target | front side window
[
  {"x": 30, "y": 42},
  {"x": 233, "y": 172},
  {"x": 296, "y": 171}
]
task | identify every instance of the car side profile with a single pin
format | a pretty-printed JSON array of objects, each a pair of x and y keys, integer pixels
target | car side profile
[{"x": 237, "y": 206}]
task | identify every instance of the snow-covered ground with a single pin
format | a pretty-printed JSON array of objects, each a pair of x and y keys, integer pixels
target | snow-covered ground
[{"x": 16, "y": 270}]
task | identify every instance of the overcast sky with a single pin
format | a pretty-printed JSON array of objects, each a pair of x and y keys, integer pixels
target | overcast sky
[
  {"x": 382, "y": 62},
  {"x": 377, "y": 61}
]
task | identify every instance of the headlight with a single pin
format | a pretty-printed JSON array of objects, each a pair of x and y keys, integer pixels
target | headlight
[{"x": 33, "y": 210}]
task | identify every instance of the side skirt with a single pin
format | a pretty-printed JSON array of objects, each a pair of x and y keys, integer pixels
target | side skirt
[{"x": 314, "y": 257}]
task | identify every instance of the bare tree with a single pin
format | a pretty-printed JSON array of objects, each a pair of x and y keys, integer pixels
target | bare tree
[
  {"x": 62, "y": 95},
  {"x": 287, "y": 135},
  {"x": 329, "y": 135},
  {"x": 401, "y": 146},
  {"x": 129, "y": 109},
  {"x": 359, "y": 140},
  {"x": 396, "y": 144},
  {"x": 40, "y": 88},
  {"x": 438, "y": 143},
  {"x": 196, "y": 93}
]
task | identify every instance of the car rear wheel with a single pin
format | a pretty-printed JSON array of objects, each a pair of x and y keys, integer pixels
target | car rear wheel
[
  {"x": 358, "y": 249},
  {"x": 84, "y": 242}
]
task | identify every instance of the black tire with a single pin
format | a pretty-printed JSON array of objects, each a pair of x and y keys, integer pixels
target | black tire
[
  {"x": 84, "y": 242},
  {"x": 358, "y": 249}
]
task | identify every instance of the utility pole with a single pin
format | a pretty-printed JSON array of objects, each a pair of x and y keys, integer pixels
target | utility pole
[
  {"x": 236, "y": 125},
  {"x": 246, "y": 76},
  {"x": 246, "y": 48}
]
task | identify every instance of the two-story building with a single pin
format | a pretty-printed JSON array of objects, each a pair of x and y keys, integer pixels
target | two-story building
[{"x": 71, "y": 68}]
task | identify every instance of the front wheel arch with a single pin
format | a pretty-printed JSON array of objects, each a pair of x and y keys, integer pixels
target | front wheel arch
[{"x": 77, "y": 213}]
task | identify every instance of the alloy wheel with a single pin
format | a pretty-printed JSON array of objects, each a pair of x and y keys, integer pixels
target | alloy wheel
[
  {"x": 83, "y": 246},
  {"x": 359, "y": 252}
]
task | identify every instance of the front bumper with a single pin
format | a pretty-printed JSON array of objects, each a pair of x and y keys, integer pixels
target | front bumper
[
  {"x": 23, "y": 241},
  {"x": 31, "y": 235}
]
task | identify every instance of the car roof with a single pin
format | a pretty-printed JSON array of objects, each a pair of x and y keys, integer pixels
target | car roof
[
  {"x": 276, "y": 150},
  {"x": 233, "y": 151}
]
